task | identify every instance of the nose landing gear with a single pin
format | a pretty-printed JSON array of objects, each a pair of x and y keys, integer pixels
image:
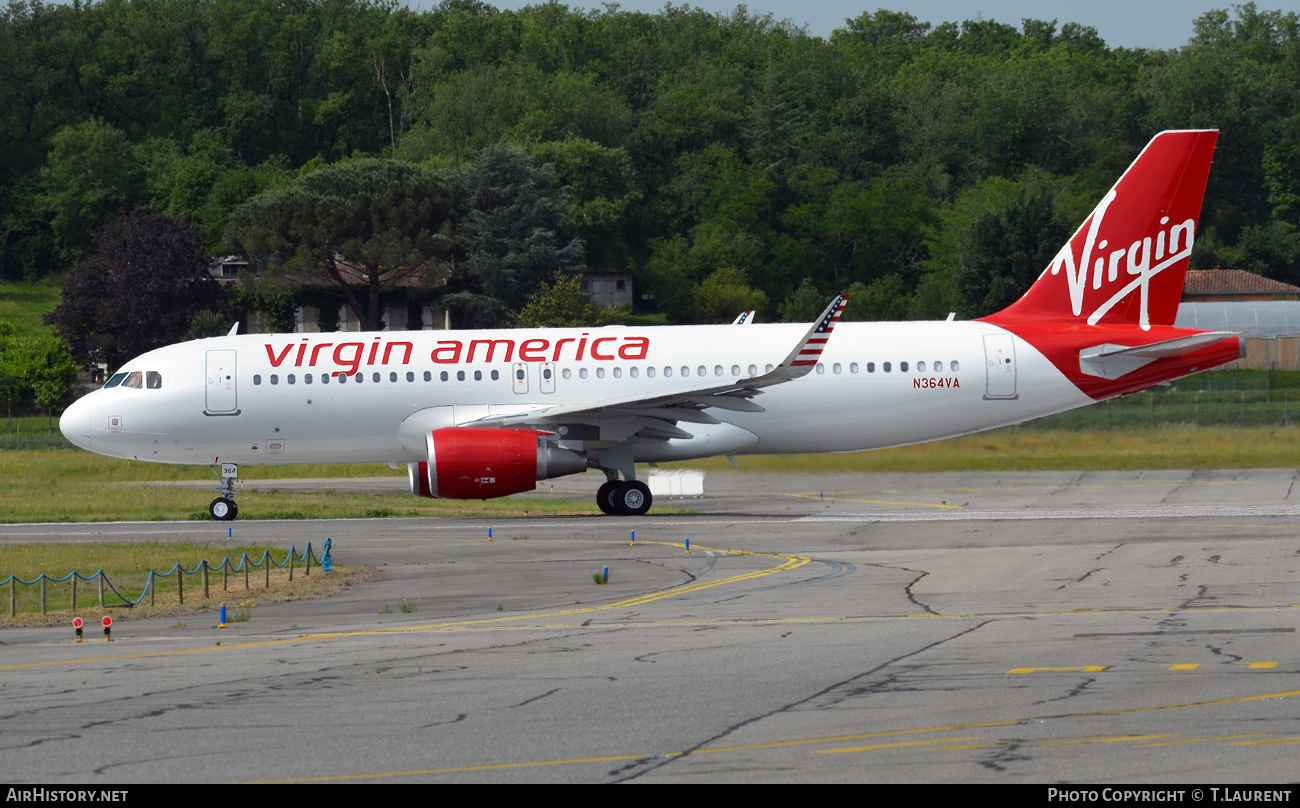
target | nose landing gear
[{"x": 223, "y": 508}]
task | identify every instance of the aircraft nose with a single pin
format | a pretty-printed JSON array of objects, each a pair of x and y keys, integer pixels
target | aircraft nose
[{"x": 75, "y": 422}]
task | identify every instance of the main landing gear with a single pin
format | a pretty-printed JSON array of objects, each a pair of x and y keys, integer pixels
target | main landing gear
[
  {"x": 624, "y": 497},
  {"x": 223, "y": 508}
]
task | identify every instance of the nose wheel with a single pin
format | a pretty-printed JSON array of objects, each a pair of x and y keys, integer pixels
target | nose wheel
[
  {"x": 223, "y": 510},
  {"x": 625, "y": 498}
]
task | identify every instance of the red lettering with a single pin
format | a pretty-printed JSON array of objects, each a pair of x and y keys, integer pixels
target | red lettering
[
  {"x": 559, "y": 343},
  {"x": 528, "y": 350},
  {"x": 374, "y": 346},
  {"x": 447, "y": 355},
  {"x": 582, "y": 346},
  {"x": 350, "y": 362},
  {"x": 491, "y": 348},
  {"x": 956, "y": 382},
  {"x": 595, "y": 346},
  {"x": 301, "y": 350},
  {"x": 916, "y": 384},
  {"x": 625, "y": 351},
  {"x": 315, "y": 352},
  {"x": 406, "y": 358},
  {"x": 277, "y": 360}
]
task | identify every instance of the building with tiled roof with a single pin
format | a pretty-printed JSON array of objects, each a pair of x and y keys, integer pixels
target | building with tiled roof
[{"x": 1221, "y": 285}]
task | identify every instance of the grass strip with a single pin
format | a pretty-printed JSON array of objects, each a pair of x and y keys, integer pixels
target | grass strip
[{"x": 127, "y": 566}]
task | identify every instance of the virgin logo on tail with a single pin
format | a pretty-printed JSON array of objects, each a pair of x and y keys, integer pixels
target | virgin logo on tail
[{"x": 1127, "y": 262}]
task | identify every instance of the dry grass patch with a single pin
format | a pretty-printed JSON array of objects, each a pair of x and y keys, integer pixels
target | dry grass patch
[{"x": 127, "y": 566}]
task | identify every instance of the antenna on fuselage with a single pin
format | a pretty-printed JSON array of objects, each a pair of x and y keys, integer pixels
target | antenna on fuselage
[{"x": 234, "y": 329}]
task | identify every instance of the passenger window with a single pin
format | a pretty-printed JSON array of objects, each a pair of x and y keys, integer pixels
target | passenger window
[
  {"x": 306, "y": 378},
  {"x": 496, "y": 374},
  {"x": 753, "y": 370},
  {"x": 835, "y": 368},
  {"x": 375, "y": 377},
  {"x": 428, "y": 377},
  {"x": 668, "y": 372},
  {"x": 600, "y": 373},
  {"x": 275, "y": 379},
  {"x": 257, "y": 379},
  {"x": 519, "y": 374},
  {"x": 618, "y": 373},
  {"x": 821, "y": 368},
  {"x": 358, "y": 377},
  {"x": 392, "y": 376},
  {"x": 324, "y": 378},
  {"x": 115, "y": 381},
  {"x": 289, "y": 378},
  {"x": 768, "y": 368},
  {"x": 410, "y": 377},
  {"x": 938, "y": 367},
  {"x": 701, "y": 371},
  {"x": 460, "y": 375},
  {"x": 582, "y": 373},
  {"x": 953, "y": 365},
  {"x": 885, "y": 367},
  {"x": 685, "y": 371},
  {"x": 717, "y": 370},
  {"x": 343, "y": 378},
  {"x": 444, "y": 376},
  {"x": 650, "y": 371},
  {"x": 566, "y": 373},
  {"x": 735, "y": 370},
  {"x": 902, "y": 367},
  {"x": 853, "y": 367},
  {"x": 871, "y": 367},
  {"x": 920, "y": 367},
  {"x": 153, "y": 380},
  {"x": 633, "y": 372},
  {"x": 478, "y": 375}
]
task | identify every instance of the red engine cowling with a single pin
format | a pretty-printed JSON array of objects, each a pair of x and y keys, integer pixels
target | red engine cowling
[{"x": 474, "y": 463}]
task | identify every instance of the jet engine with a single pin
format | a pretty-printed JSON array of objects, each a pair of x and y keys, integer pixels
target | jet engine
[{"x": 476, "y": 463}]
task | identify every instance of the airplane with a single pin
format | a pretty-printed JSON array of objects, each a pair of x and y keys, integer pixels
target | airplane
[{"x": 481, "y": 414}]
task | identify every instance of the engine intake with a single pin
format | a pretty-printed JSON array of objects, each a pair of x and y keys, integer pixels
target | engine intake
[{"x": 477, "y": 463}]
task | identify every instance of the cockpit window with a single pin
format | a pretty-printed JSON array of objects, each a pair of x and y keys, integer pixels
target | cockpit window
[
  {"x": 115, "y": 381},
  {"x": 153, "y": 380},
  {"x": 134, "y": 380}
]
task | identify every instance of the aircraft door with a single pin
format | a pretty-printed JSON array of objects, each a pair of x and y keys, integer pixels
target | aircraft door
[
  {"x": 547, "y": 381},
  {"x": 519, "y": 377},
  {"x": 222, "y": 396},
  {"x": 1000, "y": 365}
]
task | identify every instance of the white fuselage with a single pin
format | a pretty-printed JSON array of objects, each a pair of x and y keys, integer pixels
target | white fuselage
[{"x": 246, "y": 399}]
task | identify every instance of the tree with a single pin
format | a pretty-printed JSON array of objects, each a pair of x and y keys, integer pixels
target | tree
[
  {"x": 91, "y": 175},
  {"x": 1007, "y": 252},
  {"x": 723, "y": 295},
  {"x": 40, "y": 367},
  {"x": 140, "y": 289},
  {"x": 365, "y": 223},
  {"x": 562, "y": 303},
  {"x": 509, "y": 218}
]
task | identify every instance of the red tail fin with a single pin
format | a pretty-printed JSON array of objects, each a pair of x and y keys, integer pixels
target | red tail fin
[{"x": 1126, "y": 263}]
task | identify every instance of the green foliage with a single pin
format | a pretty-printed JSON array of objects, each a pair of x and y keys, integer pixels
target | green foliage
[
  {"x": 35, "y": 370},
  {"x": 723, "y": 295},
  {"x": 1007, "y": 251},
  {"x": 91, "y": 175},
  {"x": 563, "y": 304},
  {"x": 508, "y": 237},
  {"x": 359, "y": 228}
]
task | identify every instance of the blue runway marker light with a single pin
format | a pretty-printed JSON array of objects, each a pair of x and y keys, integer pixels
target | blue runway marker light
[
  {"x": 223, "y": 616},
  {"x": 489, "y": 534},
  {"x": 821, "y": 496},
  {"x": 230, "y": 533},
  {"x": 605, "y": 575},
  {"x": 634, "y": 538},
  {"x": 688, "y": 546}
]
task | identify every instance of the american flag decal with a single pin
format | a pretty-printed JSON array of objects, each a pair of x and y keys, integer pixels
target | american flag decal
[{"x": 812, "y": 347}]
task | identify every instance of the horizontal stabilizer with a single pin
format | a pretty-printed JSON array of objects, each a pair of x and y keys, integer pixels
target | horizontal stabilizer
[{"x": 1113, "y": 361}]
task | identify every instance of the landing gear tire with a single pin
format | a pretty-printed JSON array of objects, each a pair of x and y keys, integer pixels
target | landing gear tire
[
  {"x": 632, "y": 498},
  {"x": 605, "y": 497},
  {"x": 223, "y": 510}
]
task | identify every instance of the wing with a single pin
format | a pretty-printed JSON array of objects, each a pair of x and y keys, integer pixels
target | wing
[{"x": 656, "y": 416}]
